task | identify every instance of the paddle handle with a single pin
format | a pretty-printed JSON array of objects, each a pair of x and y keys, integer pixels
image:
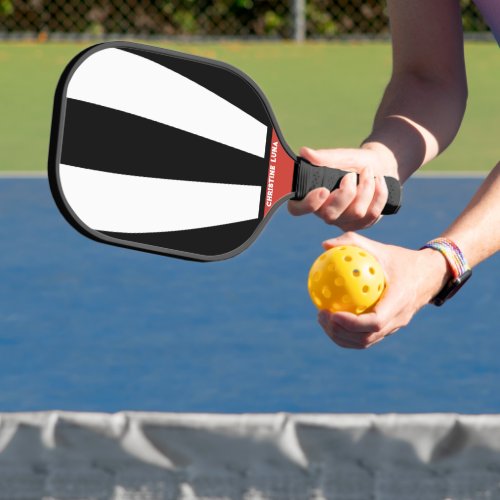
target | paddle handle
[{"x": 309, "y": 177}]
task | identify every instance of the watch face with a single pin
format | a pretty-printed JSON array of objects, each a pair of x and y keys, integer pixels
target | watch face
[{"x": 451, "y": 288}]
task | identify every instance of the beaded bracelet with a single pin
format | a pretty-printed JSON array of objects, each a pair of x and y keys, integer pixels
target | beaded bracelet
[
  {"x": 460, "y": 269},
  {"x": 452, "y": 254}
]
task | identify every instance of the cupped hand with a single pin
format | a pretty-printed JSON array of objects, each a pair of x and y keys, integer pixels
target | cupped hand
[
  {"x": 413, "y": 278},
  {"x": 352, "y": 206}
]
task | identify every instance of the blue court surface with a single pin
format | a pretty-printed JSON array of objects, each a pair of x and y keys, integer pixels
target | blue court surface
[{"x": 86, "y": 326}]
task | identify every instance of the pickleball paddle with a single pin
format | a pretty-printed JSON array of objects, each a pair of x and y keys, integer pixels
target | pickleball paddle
[{"x": 171, "y": 153}]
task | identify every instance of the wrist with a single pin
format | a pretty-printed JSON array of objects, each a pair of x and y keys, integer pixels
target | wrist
[
  {"x": 387, "y": 160},
  {"x": 437, "y": 272}
]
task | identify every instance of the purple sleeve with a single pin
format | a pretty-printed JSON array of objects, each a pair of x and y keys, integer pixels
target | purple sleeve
[{"x": 490, "y": 9}]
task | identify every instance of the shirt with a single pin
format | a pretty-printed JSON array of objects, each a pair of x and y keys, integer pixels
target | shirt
[{"x": 490, "y": 9}]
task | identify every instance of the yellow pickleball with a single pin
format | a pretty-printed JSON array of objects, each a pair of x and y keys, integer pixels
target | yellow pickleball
[{"x": 346, "y": 278}]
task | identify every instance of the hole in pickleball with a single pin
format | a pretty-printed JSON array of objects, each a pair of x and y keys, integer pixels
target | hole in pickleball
[
  {"x": 356, "y": 273},
  {"x": 327, "y": 293},
  {"x": 317, "y": 300},
  {"x": 346, "y": 299},
  {"x": 366, "y": 289},
  {"x": 379, "y": 287},
  {"x": 339, "y": 281},
  {"x": 317, "y": 276},
  {"x": 362, "y": 254},
  {"x": 360, "y": 309},
  {"x": 372, "y": 270},
  {"x": 348, "y": 258}
]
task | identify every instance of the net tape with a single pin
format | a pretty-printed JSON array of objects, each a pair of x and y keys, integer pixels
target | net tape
[{"x": 155, "y": 456}]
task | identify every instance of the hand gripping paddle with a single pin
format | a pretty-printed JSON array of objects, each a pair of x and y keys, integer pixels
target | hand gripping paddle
[{"x": 171, "y": 153}]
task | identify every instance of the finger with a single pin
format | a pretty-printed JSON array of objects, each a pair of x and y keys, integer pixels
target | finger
[
  {"x": 362, "y": 340},
  {"x": 365, "y": 191},
  {"x": 380, "y": 196},
  {"x": 311, "y": 203},
  {"x": 338, "y": 201},
  {"x": 385, "y": 317},
  {"x": 392, "y": 311},
  {"x": 341, "y": 340},
  {"x": 372, "y": 343},
  {"x": 339, "y": 334},
  {"x": 362, "y": 324},
  {"x": 376, "y": 338},
  {"x": 352, "y": 340},
  {"x": 344, "y": 344}
]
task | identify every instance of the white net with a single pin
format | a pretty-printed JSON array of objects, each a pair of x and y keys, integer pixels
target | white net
[{"x": 154, "y": 456}]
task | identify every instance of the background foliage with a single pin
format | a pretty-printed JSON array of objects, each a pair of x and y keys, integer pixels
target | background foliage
[{"x": 216, "y": 18}]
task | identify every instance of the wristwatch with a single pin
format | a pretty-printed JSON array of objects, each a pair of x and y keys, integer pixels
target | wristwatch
[{"x": 460, "y": 270}]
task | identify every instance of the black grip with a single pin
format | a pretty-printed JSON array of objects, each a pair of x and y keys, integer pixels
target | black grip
[{"x": 309, "y": 177}]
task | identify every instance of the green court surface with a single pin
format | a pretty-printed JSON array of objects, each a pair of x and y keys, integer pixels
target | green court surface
[{"x": 323, "y": 94}]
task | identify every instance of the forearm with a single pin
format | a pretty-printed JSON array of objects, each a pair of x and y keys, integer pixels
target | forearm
[
  {"x": 477, "y": 230},
  {"x": 416, "y": 120},
  {"x": 424, "y": 103}
]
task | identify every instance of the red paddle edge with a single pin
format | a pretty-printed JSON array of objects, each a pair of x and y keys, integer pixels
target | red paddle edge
[{"x": 280, "y": 173}]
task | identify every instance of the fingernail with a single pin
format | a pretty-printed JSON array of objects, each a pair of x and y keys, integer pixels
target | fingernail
[{"x": 324, "y": 194}]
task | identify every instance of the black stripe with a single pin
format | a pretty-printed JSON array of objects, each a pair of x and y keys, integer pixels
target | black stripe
[
  {"x": 263, "y": 192},
  {"x": 218, "y": 79},
  {"x": 209, "y": 241},
  {"x": 100, "y": 138}
]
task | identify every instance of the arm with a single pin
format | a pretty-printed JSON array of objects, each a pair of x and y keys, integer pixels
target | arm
[
  {"x": 415, "y": 277},
  {"x": 419, "y": 114},
  {"x": 477, "y": 230},
  {"x": 424, "y": 103}
]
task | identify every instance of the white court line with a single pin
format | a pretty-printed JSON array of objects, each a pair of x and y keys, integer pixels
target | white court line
[
  {"x": 431, "y": 174},
  {"x": 23, "y": 174},
  {"x": 454, "y": 174}
]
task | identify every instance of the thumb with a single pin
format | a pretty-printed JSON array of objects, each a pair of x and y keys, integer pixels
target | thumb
[
  {"x": 349, "y": 238},
  {"x": 310, "y": 155},
  {"x": 338, "y": 157}
]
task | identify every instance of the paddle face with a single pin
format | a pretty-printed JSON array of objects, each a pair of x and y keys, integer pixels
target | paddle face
[{"x": 165, "y": 152}]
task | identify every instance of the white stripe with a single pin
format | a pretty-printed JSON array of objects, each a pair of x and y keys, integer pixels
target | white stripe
[
  {"x": 127, "y": 82},
  {"x": 131, "y": 204}
]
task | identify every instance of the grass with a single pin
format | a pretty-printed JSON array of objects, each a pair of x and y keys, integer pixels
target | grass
[{"x": 323, "y": 94}]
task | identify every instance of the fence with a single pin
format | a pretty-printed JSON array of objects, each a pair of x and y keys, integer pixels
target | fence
[{"x": 207, "y": 18}]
